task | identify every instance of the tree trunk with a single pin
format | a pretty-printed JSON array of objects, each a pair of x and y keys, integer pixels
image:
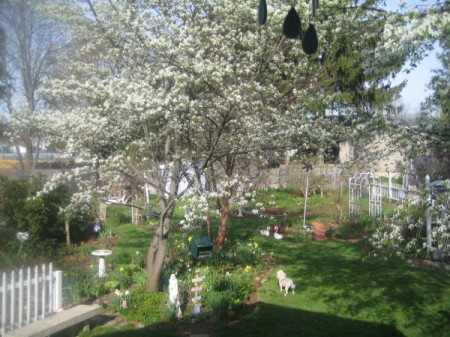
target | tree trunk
[
  {"x": 224, "y": 212},
  {"x": 158, "y": 248},
  {"x": 155, "y": 261}
]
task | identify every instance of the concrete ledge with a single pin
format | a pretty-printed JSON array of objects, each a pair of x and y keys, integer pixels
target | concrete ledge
[{"x": 57, "y": 322}]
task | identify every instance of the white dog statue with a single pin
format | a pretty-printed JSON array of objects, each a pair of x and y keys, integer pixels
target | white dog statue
[{"x": 285, "y": 282}]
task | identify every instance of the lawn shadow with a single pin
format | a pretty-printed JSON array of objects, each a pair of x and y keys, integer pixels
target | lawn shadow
[
  {"x": 273, "y": 320},
  {"x": 268, "y": 321}
]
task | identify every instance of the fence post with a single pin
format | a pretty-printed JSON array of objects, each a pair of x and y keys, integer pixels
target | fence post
[
  {"x": 50, "y": 288},
  {"x": 20, "y": 297},
  {"x": 57, "y": 291},
  {"x": 36, "y": 294},
  {"x": 13, "y": 299},
  {"x": 4, "y": 299},
  {"x": 390, "y": 185},
  {"x": 43, "y": 306},
  {"x": 28, "y": 295}
]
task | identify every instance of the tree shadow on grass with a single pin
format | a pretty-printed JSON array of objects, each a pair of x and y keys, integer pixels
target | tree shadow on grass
[
  {"x": 273, "y": 320},
  {"x": 268, "y": 321}
]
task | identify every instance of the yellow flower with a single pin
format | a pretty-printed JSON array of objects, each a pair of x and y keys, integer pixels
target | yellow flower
[
  {"x": 137, "y": 252},
  {"x": 91, "y": 266},
  {"x": 121, "y": 268},
  {"x": 190, "y": 239},
  {"x": 256, "y": 244},
  {"x": 248, "y": 269}
]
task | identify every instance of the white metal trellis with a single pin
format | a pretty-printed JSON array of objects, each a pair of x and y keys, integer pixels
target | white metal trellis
[
  {"x": 436, "y": 189},
  {"x": 356, "y": 184}
]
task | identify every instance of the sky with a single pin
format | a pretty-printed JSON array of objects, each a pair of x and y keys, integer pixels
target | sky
[{"x": 416, "y": 90}]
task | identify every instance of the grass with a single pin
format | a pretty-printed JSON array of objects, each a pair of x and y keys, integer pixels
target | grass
[
  {"x": 133, "y": 239},
  {"x": 342, "y": 293},
  {"x": 340, "y": 290}
]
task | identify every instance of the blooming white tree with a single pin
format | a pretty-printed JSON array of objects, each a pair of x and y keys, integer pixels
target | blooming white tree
[{"x": 151, "y": 91}]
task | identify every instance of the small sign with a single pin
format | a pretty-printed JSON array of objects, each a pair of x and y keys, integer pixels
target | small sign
[
  {"x": 198, "y": 279},
  {"x": 195, "y": 289},
  {"x": 196, "y": 299}
]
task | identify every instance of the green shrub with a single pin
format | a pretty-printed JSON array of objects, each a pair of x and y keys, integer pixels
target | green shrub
[
  {"x": 146, "y": 308},
  {"x": 87, "y": 250},
  {"x": 23, "y": 210},
  {"x": 220, "y": 303},
  {"x": 363, "y": 225},
  {"x": 140, "y": 279},
  {"x": 84, "y": 283},
  {"x": 226, "y": 294},
  {"x": 330, "y": 232},
  {"x": 123, "y": 274}
]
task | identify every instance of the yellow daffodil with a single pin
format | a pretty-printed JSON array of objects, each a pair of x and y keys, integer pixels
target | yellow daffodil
[{"x": 190, "y": 239}]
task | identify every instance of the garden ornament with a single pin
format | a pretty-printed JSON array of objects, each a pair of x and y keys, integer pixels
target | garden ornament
[
  {"x": 292, "y": 26},
  {"x": 265, "y": 232},
  {"x": 310, "y": 43},
  {"x": 277, "y": 232},
  {"x": 285, "y": 282},
  {"x": 22, "y": 237},
  {"x": 173, "y": 294},
  {"x": 262, "y": 12}
]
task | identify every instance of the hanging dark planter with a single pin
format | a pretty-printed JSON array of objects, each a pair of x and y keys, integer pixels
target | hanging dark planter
[
  {"x": 292, "y": 26},
  {"x": 310, "y": 42},
  {"x": 262, "y": 12}
]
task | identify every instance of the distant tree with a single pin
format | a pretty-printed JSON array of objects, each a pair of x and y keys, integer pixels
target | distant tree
[
  {"x": 433, "y": 122},
  {"x": 28, "y": 44},
  {"x": 2, "y": 62}
]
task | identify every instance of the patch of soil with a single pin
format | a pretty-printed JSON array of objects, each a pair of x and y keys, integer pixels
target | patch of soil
[
  {"x": 319, "y": 231},
  {"x": 275, "y": 211}
]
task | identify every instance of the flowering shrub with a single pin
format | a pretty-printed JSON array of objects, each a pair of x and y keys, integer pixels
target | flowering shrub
[
  {"x": 388, "y": 240},
  {"x": 406, "y": 233}
]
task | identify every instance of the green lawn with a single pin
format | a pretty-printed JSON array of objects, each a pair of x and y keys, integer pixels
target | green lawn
[{"x": 340, "y": 291}]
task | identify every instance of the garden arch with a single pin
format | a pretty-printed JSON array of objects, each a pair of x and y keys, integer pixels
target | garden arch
[
  {"x": 357, "y": 185},
  {"x": 437, "y": 212}
]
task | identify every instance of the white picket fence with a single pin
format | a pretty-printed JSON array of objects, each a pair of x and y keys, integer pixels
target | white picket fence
[
  {"x": 29, "y": 295},
  {"x": 393, "y": 191}
]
